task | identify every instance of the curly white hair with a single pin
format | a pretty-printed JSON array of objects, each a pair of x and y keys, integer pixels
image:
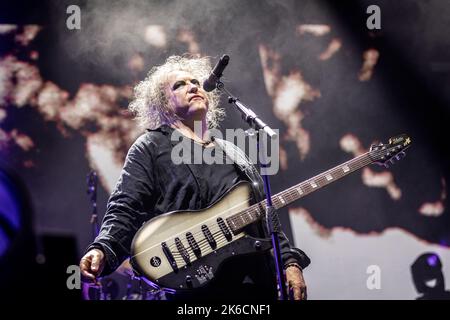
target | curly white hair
[{"x": 150, "y": 103}]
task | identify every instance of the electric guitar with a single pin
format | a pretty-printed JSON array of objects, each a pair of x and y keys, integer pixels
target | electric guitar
[{"x": 184, "y": 250}]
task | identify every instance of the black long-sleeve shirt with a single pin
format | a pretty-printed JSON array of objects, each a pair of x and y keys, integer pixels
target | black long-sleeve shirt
[{"x": 151, "y": 184}]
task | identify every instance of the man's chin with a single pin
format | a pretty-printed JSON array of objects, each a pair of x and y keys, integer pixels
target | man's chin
[
  {"x": 198, "y": 109},
  {"x": 194, "y": 114}
]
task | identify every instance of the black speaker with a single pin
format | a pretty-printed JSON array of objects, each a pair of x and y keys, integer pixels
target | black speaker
[
  {"x": 57, "y": 264},
  {"x": 17, "y": 245}
]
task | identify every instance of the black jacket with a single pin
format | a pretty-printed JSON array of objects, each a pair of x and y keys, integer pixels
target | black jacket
[{"x": 151, "y": 184}]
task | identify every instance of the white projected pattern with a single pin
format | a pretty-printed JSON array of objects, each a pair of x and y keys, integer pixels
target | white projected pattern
[{"x": 340, "y": 258}]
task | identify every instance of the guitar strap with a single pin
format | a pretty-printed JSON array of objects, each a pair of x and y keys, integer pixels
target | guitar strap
[
  {"x": 240, "y": 159},
  {"x": 243, "y": 162}
]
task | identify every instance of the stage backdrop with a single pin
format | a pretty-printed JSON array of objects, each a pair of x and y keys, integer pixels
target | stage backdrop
[{"x": 312, "y": 69}]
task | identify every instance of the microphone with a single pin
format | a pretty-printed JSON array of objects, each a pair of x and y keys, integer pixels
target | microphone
[{"x": 210, "y": 83}]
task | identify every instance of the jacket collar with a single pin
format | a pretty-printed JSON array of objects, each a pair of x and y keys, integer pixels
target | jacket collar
[{"x": 166, "y": 129}]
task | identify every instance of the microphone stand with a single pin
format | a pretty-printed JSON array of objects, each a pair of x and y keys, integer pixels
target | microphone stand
[
  {"x": 92, "y": 181},
  {"x": 272, "y": 222}
]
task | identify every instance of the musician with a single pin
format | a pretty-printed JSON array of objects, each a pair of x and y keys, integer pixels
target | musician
[{"x": 171, "y": 99}]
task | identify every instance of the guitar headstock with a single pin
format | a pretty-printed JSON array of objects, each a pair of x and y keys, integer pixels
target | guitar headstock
[{"x": 386, "y": 154}]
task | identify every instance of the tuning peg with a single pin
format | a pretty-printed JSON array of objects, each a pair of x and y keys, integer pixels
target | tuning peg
[
  {"x": 376, "y": 147},
  {"x": 400, "y": 155}
]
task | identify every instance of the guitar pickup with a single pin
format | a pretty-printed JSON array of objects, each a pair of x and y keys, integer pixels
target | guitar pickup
[
  {"x": 182, "y": 250},
  {"x": 169, "y": 256},
  {"x": 194, "y": 245},
  {"x": 223, "y": 227},
  {"x": 209, "y": 237}
]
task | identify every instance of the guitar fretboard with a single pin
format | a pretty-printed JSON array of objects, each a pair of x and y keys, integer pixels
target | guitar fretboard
[{"x": 257, "y": 211}]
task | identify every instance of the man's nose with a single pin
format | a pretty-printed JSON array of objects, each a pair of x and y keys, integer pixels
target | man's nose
[{"x": 193, "y": 88}]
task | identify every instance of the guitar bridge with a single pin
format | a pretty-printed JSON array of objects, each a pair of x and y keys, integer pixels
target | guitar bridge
[{"x": 169, "y": 256}]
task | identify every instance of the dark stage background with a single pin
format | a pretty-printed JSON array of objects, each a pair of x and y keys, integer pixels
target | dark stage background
[{"x": 313, "y": 69}]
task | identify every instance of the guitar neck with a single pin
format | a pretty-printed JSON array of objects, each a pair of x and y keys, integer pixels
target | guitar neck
[
  {"x": 284, "y": 198},
  {"x": 321, "y": 180}
]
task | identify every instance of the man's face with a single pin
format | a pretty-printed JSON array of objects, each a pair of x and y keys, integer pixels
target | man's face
[{"x": 186, "y": 96}]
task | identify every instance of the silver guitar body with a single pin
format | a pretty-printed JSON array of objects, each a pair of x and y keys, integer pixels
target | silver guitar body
[{"x": 184, "y": 250}]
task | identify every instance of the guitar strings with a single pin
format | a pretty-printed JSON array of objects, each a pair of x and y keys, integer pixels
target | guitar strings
[
  {"x": 204, "y": 243},
  {"x": 289, "y": 192},
  {"x": 197, "y": 233},
  {"x": 213, "y": 228},
  {"x": 205, "y": 250}
]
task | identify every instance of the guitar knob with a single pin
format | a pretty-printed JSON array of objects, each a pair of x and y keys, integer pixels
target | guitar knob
[
  {"x": 189, "y": 281},
  {"x": 257, "y": 245}
]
